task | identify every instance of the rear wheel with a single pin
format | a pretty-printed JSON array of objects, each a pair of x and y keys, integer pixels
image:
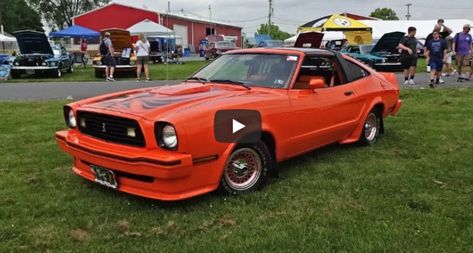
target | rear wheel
[
  {"x": 246, "y": 169},
  {"x": 371, "y": 128}
]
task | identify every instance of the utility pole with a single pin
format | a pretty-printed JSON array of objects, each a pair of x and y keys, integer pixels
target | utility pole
[
  {"x": 169, "y": 6},
  {"x": 408, "y": 15},
  {"x": 210, "y": 18},
  {"x": 270, "y": 14}
]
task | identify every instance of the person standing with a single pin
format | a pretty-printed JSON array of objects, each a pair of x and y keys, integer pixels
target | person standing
[
  {"x": 408, "y": 45},
  {"x": 437, "y": 52},
  {"x": 448, "y": 69},
  {"x": 83, "y": 51},
  {"x": 107, "y": 52},
  {"x": 462, "y": 49},
  {"x": 443, "y": 31},
  {"x": 142, "y": 48}
]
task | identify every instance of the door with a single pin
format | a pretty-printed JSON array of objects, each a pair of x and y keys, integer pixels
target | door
[
  {"x": 182, "y": 31},
  {"x": 325, "y": 115}
]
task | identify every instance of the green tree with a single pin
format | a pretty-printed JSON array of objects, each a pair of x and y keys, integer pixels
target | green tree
[
  {"x": 273, "y": 31},
  {"x": 17, "y": 15},
  {"x": 384, "y": 14},
  {"x": 59, "y": 13}
]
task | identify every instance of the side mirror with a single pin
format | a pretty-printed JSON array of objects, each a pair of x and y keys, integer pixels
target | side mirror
[{"x": 316, "y": 83}]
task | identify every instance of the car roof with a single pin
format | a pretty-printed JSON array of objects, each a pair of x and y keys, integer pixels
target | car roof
[{"x": 285, "y": 50}]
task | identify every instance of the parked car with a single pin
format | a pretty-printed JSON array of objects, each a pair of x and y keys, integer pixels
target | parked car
[
  {"x": 125, "y": 57},
  {"x": 271, "y": 43},
  {"x": 387, "y": 48},
  {"x": 218, "y": 48},
  {"x": 229, "y": 124},
  {"x": 420, "y": 48},
  {"x": 362, "y": 53},
  {"x": 38, "y": 57}
]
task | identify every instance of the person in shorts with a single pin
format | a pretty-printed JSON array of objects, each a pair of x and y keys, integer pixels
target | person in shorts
[
  {"x": 408, "y": 47},
  {"x": 444, "y": 32},
  {"x": 142, "y": 48},
  {"x": 107, "y": 52},
  {"x": 448, "y": 68},
  {"x": 437, "y": 52},
  {"x": 462, "y": 49}
]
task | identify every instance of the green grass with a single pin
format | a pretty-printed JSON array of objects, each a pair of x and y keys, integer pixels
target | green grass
[
  {"x": 410, "y": 192},
  {"x": 157, "y": 72}
]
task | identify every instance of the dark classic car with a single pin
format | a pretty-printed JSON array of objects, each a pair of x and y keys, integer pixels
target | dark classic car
[
  {"x": 218, "y": 48},
  {"x": 38, "y": 57},
  {"x": 387, "y": 48},
  {"x": 125, "y": 57},
  {"x": 362, "y": 53}
]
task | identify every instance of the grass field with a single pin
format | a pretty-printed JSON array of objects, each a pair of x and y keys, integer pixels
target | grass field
[
  {"x": 410, "y": 192},
  {"x": 157, "y": 72}
]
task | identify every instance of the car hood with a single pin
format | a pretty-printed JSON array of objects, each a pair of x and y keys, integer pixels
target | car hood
[
  {"x": 309, "y": 39},
  {"x": 151, "y": 102},
  {"x": 120, "y": 38},
  {"x": 31, "y": 42},
  {"x": 388, "y": 42}
]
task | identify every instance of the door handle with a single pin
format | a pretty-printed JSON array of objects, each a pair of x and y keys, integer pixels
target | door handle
[{"x": 349, "y": 93}]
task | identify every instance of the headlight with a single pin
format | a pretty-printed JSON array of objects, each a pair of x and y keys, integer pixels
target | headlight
[
  {"x": 17, "y": 64},
  {"x": 98, "y": 63},
  {"x": 45, "y": 64},
  {"x": 132, "y": 63},
  {"x": 70, "y": 117},
  {"x": 52, "y": 64},
  {"x": 166, "y": 135}
]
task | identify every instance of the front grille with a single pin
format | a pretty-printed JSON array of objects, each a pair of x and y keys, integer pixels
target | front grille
[{"x": 110, "y": 128}]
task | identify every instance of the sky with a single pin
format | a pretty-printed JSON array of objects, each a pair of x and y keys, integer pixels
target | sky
[{"x": 289, "y": 14}]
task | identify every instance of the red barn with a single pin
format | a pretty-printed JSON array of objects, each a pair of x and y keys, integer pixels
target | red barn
[{"x": 190, "y": 29}]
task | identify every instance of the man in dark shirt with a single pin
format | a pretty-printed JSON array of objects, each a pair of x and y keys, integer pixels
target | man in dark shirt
[
  {"x": 408, "y": 45},
  {"x": 437, "y": 51},
  {"x": 443, "y": 31}
]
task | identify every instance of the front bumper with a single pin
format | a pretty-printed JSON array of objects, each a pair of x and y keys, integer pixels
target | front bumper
[
  {"x": 102, "y": 67},
  {"x": 170, "y": 175},
  {"x": 32, "y": 68}
]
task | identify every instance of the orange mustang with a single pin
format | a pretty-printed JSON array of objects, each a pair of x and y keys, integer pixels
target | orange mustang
[{"x": 229, "y": 124}]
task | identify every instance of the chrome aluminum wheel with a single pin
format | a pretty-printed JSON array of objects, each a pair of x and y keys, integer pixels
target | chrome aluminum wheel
[
  {"x": 371, "y": 127},
  {"x": 243, "y": 169}
]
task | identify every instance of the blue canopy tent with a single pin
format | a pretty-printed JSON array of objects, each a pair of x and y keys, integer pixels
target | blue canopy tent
[{"x": 75, "y": 31}]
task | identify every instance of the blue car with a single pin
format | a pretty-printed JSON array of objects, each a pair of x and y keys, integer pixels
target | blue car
[
  {"x": 37, "y": 57},
  {"x": 363, "y": 54}
]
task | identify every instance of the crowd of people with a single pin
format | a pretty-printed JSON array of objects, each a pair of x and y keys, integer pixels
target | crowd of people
[{"x": 439, "y": 49}]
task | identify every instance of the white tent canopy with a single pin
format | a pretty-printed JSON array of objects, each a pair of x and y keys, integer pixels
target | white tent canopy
[
  {"x": 5, "y": 38},
  {"x": 424, "y": 27},
  {"x": 380, "y": 27},
  {"x": 149, "y": 28}
]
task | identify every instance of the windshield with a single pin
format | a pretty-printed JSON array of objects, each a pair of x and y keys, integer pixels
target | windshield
[
  {"x": 57, "y": 52},
  {"x": 261, "y": 70},
  {"x": 366, "y": 49}
]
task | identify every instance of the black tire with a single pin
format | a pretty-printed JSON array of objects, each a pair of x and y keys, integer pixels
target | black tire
[
  {"x": 238, "y": 180},
  {"x": 15, "y": 75},
  {"x": 371, "y": 128}
]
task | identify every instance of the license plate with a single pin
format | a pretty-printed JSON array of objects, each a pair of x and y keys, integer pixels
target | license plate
[
  {"x": 30, "y": 71},
  {"x": 104, "y": 176}
]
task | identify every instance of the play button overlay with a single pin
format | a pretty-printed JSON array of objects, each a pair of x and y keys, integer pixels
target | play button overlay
[{"x": 237, "y": 126}]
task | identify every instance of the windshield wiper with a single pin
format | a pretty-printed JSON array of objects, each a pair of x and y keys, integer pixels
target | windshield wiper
[
  {"x": 200, "y": 79},
  {"x": 231, "y": 82}
]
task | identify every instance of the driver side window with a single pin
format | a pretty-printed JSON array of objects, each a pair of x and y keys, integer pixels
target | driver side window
[{"x": 319, "y": 67}]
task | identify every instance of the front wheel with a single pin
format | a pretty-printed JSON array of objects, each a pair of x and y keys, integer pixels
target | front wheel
[
  {"x": 246, "y": 169},
  {"x": 371, "y": 128}
]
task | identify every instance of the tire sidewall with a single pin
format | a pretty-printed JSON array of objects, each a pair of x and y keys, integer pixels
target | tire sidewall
[
  {"x": 363, "y": 139},
  {"x": 266, "y": 161}
]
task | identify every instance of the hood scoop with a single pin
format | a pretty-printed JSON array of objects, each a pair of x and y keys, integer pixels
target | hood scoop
[{"x": 182, "y": 89}]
